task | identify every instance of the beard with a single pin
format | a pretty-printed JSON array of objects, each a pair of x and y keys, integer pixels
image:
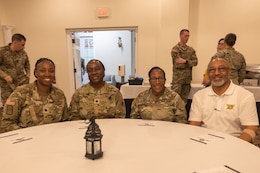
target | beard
[{"x": 218, "y": 83}]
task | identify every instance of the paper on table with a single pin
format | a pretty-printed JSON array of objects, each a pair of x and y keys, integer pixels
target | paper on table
[
  {"x": 15, "y": 138},
  {"x": 208, "y": 138},
  {"x": 146, "y": 123},
  {"x": 219, "y": 169},
  {"x": 82, "y": 125}
]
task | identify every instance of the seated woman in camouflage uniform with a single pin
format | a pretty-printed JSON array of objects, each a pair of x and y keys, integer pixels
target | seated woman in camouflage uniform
[
  {"x": 158, "y": 102},
  {"x": 97, "y": 98},
  {"x": 37, "y": 103}
]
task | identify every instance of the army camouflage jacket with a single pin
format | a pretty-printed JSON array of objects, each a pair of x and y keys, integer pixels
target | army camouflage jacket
[
  {"x": 182, "y": 73},
  {"x": 104, "y": 103},
  {"x": 167, "y": 107},
  {"x": 25, "y": 108},
  {"x": 15, "y": 64},
  {"x": 236, "y": 61}
]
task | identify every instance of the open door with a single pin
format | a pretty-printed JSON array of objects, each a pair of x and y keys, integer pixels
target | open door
[
  {"x": 112, "y": 46},
  {"x": 77, "y": 64}
]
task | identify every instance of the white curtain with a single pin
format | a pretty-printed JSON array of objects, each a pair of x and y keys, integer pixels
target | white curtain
[{"x": 7, "y": 30}]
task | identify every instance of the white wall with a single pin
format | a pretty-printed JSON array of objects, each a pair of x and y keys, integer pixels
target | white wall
[
  {"x": 44, "y": 23},
  {"x": 214, "y": 19},
  {"x": 115, "y": 55},
  {"x": 2, "y": 18}
]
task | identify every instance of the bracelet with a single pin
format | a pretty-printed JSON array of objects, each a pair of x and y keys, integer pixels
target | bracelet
[{"x": 250, "y": 132}]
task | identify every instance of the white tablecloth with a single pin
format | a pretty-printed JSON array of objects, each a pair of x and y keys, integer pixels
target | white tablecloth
[
  {"x": 129, "y": 146},
  {"x": 131, "y": 91}
]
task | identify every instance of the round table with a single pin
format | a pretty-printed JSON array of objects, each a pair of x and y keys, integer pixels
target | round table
[{"x": 129, "y": 145}]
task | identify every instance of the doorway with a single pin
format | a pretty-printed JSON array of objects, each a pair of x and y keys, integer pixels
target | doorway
[{"x": 112, "y": 46}]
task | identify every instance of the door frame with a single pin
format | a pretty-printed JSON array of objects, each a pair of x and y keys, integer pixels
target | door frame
[{"x": 72, "y": 51}]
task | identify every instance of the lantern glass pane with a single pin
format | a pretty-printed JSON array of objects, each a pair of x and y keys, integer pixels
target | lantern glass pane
[
  {"x": 89, "y": 147},
  {"x": 97, "y": 147}
]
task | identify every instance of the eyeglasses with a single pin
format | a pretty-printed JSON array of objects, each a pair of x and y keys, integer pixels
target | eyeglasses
[
  {"x": 220, "y": 69},
  {"x": 160, "y": 79}
]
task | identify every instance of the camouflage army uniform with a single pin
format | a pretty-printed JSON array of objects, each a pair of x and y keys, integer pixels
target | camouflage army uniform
[
  {"x": 256, "y": 140},
  {"x": 25, "y": 108},
  {"x": 182, "y": 73},
  {"x": 236, "y": 61},
  {"x": 104, "y": 103},
  {"x": 167, "y": 107},
  {"x": 1, "y": 113},
  {"x": 15, "y": 64}
]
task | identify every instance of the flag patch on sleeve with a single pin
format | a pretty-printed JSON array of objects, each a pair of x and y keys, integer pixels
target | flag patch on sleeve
[{"x": 10, "y": 102}]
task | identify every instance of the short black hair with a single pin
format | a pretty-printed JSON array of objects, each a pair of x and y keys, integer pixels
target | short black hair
[
  {"x": 184, "y": 30},
  {"x": 220, "y": 40},
  {"x": 156, "y": 68},
  {"x": 18, "y": 37},
  {"x": 95, "y": 60},
  {"x": 40, "y": 60},
  {"x": 230, "y": 39}
]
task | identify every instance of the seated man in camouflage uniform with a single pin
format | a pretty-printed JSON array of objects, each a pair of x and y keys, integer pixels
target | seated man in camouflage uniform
[
  {"x": 97, "y": 98},
  {"x": 37, "y": 103},
  {"x": 159, "y": 103}
]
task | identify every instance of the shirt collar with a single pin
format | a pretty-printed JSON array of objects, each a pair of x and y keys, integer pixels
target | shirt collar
[{"x": 229, "y": 90}]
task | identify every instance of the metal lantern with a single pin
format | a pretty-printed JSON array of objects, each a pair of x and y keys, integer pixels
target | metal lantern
[{"x": 93, "y": 138}]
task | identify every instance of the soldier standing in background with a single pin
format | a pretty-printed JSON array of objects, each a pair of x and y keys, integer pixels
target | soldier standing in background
[
  {"x": 14, "y": 66},
  {"x": 183, "y": 58},
  {"x": 235, "y": 59}
]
